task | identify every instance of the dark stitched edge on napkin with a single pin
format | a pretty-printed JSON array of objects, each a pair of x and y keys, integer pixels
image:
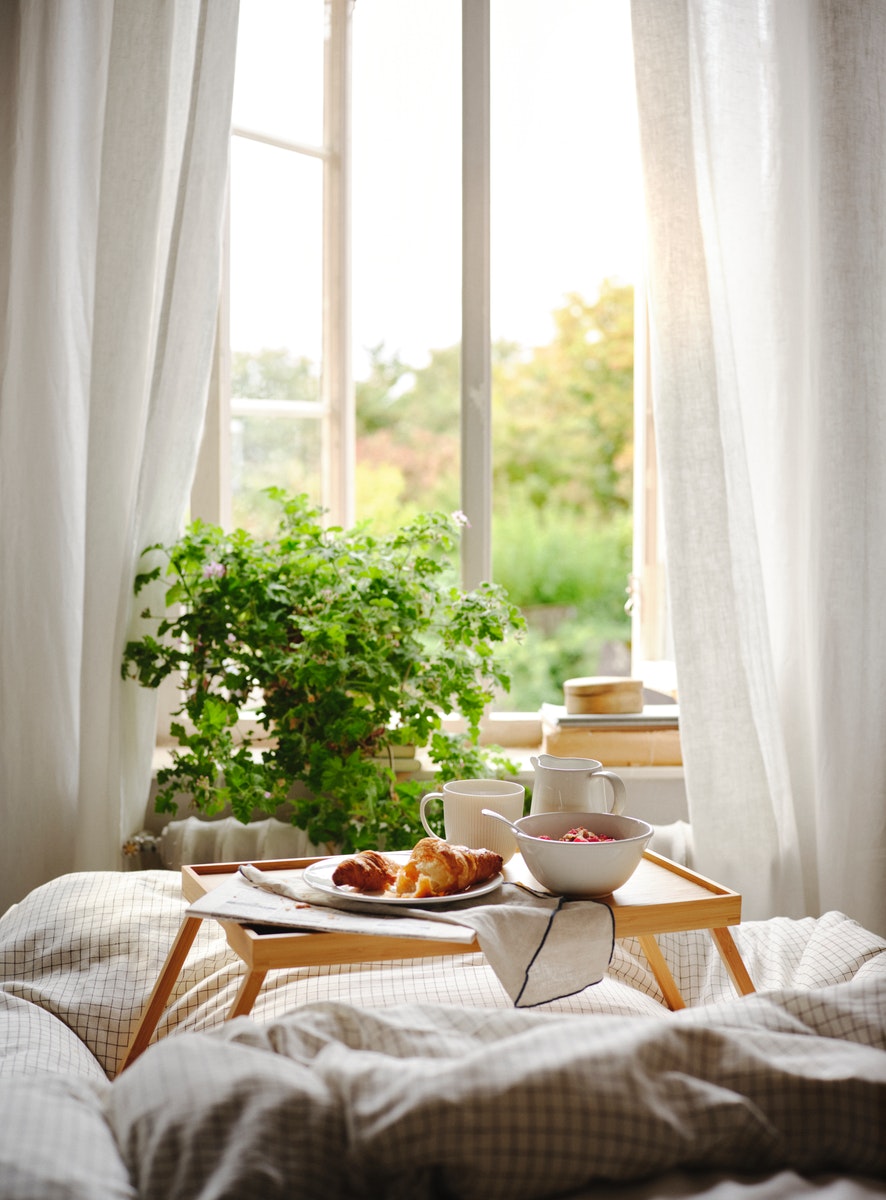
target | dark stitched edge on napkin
[
  {"x": 540, "y": 947},
  {"x": 471, "y": 913}
]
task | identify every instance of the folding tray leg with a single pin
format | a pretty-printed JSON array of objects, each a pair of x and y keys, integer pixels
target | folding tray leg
[
  {"x": 735, "y": 967},
  {"x": 661, "y": 971},
  {"x": 156, "y": 1004},
  {"x": 249, "y": 989}
]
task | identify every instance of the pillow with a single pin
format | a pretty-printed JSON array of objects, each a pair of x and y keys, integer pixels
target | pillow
[
  {"x": 88, "y": 947},
  {"x": 54, "y": 1141},
  {"x": 32, "y": 1040}
]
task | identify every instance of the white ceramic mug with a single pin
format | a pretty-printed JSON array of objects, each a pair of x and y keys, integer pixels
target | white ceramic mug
[
  {"x": 574, "y": 785},
  {"x": 463, "y": 820}
]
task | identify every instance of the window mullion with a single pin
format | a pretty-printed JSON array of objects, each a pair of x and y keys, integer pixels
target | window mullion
[
  {"x": 476, "y": 350},
  {"x": 337, "y": 384}
]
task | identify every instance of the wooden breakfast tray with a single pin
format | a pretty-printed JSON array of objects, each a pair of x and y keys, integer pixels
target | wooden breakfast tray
[{"x": 660, "y": 897}]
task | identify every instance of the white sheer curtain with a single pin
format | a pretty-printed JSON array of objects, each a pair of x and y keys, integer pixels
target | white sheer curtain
[
  {"x": 114, "y": 123},
  {"x": 763, "y": 127}
]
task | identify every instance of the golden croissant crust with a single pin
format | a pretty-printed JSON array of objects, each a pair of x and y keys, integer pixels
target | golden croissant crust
[
  {"x": 437, "y": 868},
  {"x": 367, "y": 871}
]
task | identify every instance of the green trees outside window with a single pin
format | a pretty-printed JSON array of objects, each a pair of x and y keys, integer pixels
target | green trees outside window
[{"x": 562, "y": 473}]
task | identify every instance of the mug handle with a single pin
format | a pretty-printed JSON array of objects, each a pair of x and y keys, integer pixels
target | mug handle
[
  {"x": 423, "y": 805},
  {"x": 618, "y": 790}
]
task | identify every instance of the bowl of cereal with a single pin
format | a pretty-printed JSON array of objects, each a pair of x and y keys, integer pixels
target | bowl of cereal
[{"x": 582, "y": 854}]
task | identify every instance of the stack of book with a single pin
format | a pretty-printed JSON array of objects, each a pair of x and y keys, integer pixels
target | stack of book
[{"x": 647, "y": 738}]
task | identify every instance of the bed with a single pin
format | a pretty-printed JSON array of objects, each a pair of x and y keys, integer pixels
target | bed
[{"x": 417, "y": 1078}]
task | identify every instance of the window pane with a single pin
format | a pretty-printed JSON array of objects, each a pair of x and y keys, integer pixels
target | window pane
[
  {"x": 566, "y": 199},
  {"x": 268, "y": 451},
  {"x": 278, "y": 85},
  {"x": 276, "y": 324},
  {"x": 276, "y": 250},
  {"x": 406, "y": 255},
  {"x": 565, "y": 220}
]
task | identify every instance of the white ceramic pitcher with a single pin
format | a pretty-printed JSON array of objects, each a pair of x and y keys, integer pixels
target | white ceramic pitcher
[{"x": 566, "y": 785}]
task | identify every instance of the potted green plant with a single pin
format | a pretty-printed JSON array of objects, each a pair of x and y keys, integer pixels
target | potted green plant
[{"x": 344, "y": 645}]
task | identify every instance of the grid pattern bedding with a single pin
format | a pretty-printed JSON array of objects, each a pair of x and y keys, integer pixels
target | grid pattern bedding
[
  {"x": 416, "y": 1078},
  {"x": 427, "y": 1102}
]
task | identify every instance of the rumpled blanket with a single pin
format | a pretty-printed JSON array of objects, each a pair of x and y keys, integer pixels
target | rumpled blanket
[{"x": 421, "y": 1101}]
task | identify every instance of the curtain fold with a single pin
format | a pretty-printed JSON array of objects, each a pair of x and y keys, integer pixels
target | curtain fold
[
  {"x": 115, "y": 126},
  {"x": 762, "y": 131}
]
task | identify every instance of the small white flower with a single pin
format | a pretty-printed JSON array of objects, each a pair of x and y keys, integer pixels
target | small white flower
[
  {"x": 213, "y": 570},
  {"x": 460, "y": 518}
]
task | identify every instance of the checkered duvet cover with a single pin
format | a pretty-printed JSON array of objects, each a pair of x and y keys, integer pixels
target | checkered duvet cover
[{"x": 416, "y": 1079}]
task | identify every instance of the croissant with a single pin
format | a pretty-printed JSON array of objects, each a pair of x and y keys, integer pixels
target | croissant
[
  {"x": 437, "y": 868},
  {"x": 367, "y": 871}
]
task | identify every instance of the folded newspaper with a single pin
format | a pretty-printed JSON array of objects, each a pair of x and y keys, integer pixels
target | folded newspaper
[{"x": 298, "y": 906}]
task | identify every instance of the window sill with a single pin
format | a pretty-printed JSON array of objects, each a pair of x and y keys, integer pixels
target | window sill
[{"x": 655, "y": 793}]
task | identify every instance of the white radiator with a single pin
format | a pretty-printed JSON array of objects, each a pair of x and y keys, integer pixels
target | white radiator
[{"x": 195, "y": 840}]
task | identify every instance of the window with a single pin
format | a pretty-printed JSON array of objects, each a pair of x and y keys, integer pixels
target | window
[
  {"x": 404, "y": 178},
  {"x": 281, "y": 404}
]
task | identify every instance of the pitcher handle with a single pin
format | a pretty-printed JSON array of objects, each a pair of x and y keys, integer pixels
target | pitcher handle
[{"x": 619, "y": 793}]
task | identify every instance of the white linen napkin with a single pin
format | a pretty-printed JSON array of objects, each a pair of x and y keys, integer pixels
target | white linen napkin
[{"x": 541, "y": 947}]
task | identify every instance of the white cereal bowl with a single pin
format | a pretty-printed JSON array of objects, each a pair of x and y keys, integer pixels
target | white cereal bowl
[{"x": 582, "y": 869}]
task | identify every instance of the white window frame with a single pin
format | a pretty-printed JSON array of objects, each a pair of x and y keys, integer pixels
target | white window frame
[
  {"x": 652, "y": 654},
  {"x": 211, "y": 495},
  {"x": 476, "y": 324}
]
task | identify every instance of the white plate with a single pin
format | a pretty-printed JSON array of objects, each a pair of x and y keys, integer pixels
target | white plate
[{"x": 319, "y": 875}]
